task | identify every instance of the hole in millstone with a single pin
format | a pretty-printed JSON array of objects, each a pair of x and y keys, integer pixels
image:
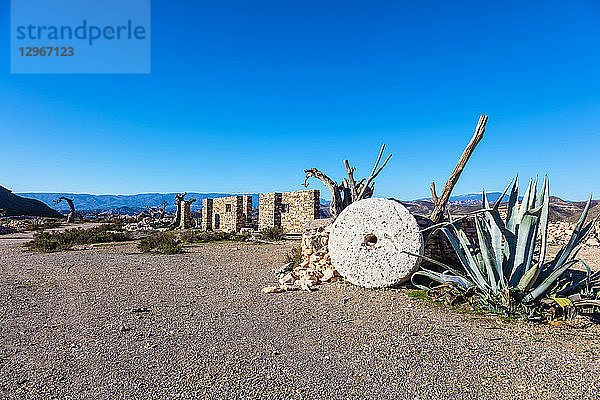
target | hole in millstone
[{"x": 370, "y": 240}]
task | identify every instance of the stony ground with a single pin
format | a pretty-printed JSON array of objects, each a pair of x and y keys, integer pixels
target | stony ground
[{"x": 111, "y": 323}]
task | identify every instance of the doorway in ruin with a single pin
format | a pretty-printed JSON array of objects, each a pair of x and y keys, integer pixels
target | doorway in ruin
[{"x": 217, "y": 221}]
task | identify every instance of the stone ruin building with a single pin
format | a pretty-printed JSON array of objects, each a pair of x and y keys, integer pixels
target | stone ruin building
[
  {"x": 228, "y": 214},
  {"x": 183, "y": 218},
  {"x": 291, "y": 211}
]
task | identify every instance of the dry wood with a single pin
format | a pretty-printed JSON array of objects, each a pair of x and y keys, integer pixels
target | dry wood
[
  {"x": 351, "y": 181},
  {"x": 349, "y": 191},
  {"x": 334, "y": 188},
  {"x": 438, "y": 212},
  {"x": 374, "y": 174},
  {"x": 434, "y": 195},
  {"x": 72, "y": 213}
]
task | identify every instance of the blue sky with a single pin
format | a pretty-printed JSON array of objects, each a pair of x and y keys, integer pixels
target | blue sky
[{"x": 245, "y": 95}]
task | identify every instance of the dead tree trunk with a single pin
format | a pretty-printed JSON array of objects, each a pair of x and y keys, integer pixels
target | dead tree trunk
[
  {"x": 440, "y": 203},
  {"x": 71, "y": 216},
  {"x": 179, "y": 199},
  {"x": 349, "y": 191},
  {"x": 186, "y": 214},
  {"x": 162, "y": 211}
]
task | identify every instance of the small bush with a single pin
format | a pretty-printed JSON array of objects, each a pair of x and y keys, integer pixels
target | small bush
[
  {"x": 161, "y": 243},
  {"x": 113, "y": 226},
  {"x": 294, "y": 256},
  {"x": 58, "y": 241},
  {"x": 206, "y": 237},
  {"x": 272, "y": 234},
  {"x": 48, "y": 243},
  {"x": 38, "y": 225}
]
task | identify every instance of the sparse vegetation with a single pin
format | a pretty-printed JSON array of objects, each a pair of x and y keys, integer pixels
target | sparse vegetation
[
  {"x": 117, "y": 225},
  {"x": 294, "y": 256},
  {"x": 59, "y": 241},
  {"x": 504, "y": 272},
  {"x": 208, "y": 236},
  {"x": 417, "y": 294},
  {"x": 41, "y": 224},
  {"x": 161, "y": 243},
  {"x": 272, "y": 234}
]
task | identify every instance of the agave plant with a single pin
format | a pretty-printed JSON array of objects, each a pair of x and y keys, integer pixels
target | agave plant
[{"x": 507, "y": 269}]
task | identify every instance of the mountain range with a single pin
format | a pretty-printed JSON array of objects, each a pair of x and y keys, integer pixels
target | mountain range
[
  {"x": 126, "y": 203},
  {"x": 134, "y": 204}
]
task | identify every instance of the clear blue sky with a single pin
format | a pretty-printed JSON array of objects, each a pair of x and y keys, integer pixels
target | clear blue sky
[{"x": 244, "y": 95}]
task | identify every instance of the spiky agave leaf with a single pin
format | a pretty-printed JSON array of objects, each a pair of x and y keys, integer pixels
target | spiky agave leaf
[
  {"x": 587, "y": 279},
  {"x": 576, "y": 237},
  {"x": 510, "y": 230},
  {"x": 465, "y": 257},
  {"x": 438, "y": 263},
  {"x": 564, "y": 259},
  {"x": 441, "y": 278},
  {"x": 495, "y": 228},
  {"x": 488, "y": 256},
  {"x": 529, "y": 278},
  {"x": 543, "y": 287},
  {"x": 525, "y": 246},
  {"x": 543, "y": 225},
  {"x": 503, "y": 266}
]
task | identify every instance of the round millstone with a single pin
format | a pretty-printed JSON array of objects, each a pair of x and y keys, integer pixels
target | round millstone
[{"x": 367, "y": 241}]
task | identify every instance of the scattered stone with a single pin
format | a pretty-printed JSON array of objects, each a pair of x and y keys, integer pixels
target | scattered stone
[
  {"x": 272, "y": 289},
  {"x": 315, "y": 266},
  {"x": 4, "y": 230},
  {"x": 288, "y": 279},
  {"x": 149, "y": 224},
  {"x": 137, "y": 310},
  {"x": 328, "y": 274},
  {"x": 284, "y": 268},
  {"x": 560, "y": 233},
  {"x": 289, "y": 288}
]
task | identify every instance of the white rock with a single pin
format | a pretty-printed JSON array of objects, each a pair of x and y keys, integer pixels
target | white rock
[
  {"x": 327, "y": 275},
  {"x": 287, "y": 279},
  {"x": 272, "y": 289}
]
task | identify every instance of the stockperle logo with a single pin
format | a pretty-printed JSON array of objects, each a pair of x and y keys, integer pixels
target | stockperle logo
[{"x": 80, "y": 36}]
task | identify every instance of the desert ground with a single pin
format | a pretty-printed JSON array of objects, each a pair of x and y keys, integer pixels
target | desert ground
[{"x": 108, "y": 322}]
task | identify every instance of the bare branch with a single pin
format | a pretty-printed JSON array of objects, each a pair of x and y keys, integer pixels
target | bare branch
[
  {"x": 438, "y": 212},
  {"x": 374, "y": 173},
  {"x": 336, "y": 205},
  {"x": 434, "y": 195},
  {"x": 350, "y": 172}
]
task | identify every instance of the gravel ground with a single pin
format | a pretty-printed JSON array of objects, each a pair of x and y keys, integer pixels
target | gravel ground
[{"x": 111, "y": 323}]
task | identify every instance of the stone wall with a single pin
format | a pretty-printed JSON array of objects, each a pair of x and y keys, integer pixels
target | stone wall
[
  {"x": 298, "y": 209},
  {"x": 207, "y": 214},
  {"x": 291, "y": 211},
  {"x": 227, "y": 214},
  {"x": 247, "y": 211},
  {"x": 268, "y": 215},
  {"x": 439, "y": 248},
  {"x": 186, "y": 214}
]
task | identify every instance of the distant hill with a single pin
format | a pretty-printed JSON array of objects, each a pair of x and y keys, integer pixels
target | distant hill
[
  {"x": 134, "y": 204},
  {"x": 560, "y": 210},
  {"x": 14, "y": 205},
  {"x": 472, "y": 198},
  {"x": 125, "y": 203}
]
